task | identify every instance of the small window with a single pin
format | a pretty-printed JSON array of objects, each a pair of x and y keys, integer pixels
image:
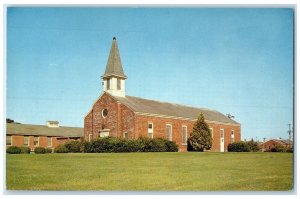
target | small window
[
  {"x": 169, "y": 132},
  {"x": 108, "y": 84},
  {"x": 211, "y": 132},
  {"x": 126, "y": 135},
  {"x": 150, "y": 129},
  {"x": 90, "y": 137},
  {"x": 184, "y": 135},
  {"x": 222, "y": 133},
  {"x": 9, "y": 140},
  {"x": 36, "y": 141},
  {"x": 118, "y": 84},
  {"x": 104, "y": 113},
  {"x": 49, "y": 141},
  {"x": 26, "y": 141}
]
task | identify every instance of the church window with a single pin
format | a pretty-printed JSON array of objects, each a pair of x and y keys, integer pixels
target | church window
[
  {"x": 222, "y": 133},
  {"x": 9, "y": 140},
  {"x": 118, "y": 84},
  {"x": 108, "y": 84},
  {"x": 211, "y": 132},
  {"x": 90, "y": 137},
  {"x": 169, "y": 132},
  {"x": 36, "y": 141},
  {"x": 26, "y": 141},
  {"x": 184, "y": 134},
  {"x": 150, "y": 130},
  {"x": 49, "y": 141},
  {"x": 104, "y": 113},
  {"x": 232, "y": 136}
]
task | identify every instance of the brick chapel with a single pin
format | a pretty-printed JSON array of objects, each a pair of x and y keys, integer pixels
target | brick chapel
[{"x": 116, "y": 114}]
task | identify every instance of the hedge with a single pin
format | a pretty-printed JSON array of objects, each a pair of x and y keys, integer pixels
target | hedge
[
  {"x": 13, "y": 150},
  {"x": 238, "y": 147},
  {"x": 118, "y": 145},
  {"x": 39, "y": 150},
  {"x": 25, "y": 149}
]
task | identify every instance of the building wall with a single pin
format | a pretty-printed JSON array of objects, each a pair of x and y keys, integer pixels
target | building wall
[
  {"x": 268, "y": 145},
  {"x": 159, "y": 130},
  {"x": 18, "y": 140},
  {"x": 119, "y": 119}
]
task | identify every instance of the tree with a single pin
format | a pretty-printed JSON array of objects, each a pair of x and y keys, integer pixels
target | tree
[{"x": 200, "y": 138}]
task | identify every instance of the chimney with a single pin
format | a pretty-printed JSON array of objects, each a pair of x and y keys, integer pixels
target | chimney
[{"x": 53, "y": 124}]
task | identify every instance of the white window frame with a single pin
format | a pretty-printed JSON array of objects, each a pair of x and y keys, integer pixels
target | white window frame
[
  {"x": 232, "y": 138},
  {"x": 212, "y": 132},
  {"x": 184, "y": 143},
  {"x": 38, "y": 143},
  {"x": 50, "y": 141},
  {"x": 28, "y": 141},
  {"x": 11, "y": 140},
  {"x": 222, "y": 130},
  {"x": 90, "y": 137},
  {"x": 150, "y": 130},
  {"x": 171, "y": 133}
]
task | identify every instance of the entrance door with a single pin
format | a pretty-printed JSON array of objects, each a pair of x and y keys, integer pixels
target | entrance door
[{"x": 221, "y": 140}]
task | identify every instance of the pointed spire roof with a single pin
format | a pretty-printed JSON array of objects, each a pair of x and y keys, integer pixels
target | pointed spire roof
[{"x": 114, "y": 65}]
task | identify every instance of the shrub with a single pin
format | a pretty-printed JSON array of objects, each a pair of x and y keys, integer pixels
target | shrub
[
  {"x": 74, "y": 146},
  {"x": 290, "y": 150},
  {"x": 13, "y": 150},
  {"x": 114, "y": 145},
  {"x": 279, "y": 148},
  {"x": 61, "y": 149},
  {"x": 253, "y": 146},
  {"x": 39, "y": 150},
  {"x": 48, "y": 150},
  {"x": 238, "y": 147},
  {"x": 25, "y": 149}
]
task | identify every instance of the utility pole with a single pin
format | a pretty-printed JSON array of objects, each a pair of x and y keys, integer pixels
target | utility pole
[{"x": 289, "y": 132}]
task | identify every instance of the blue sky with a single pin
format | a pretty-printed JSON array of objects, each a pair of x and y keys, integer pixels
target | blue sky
[{"x": 237, "y": 61}]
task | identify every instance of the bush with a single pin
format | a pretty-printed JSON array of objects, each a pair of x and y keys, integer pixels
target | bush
[
  {"x": 279, "y": 148},
  {"x": 48, "y": 150},
  {"x": 238, "y": 147},
  {"x": 61, "y": 149},
  {"x": 13, "y": 150},
  {"x": 74, "y": 146},
  {"x": 115, "y": 145},
  {"x": 25, "y": 149},
  {"x": 290, "y": 150},
  {"x": 253, "y": 146},
  {"x": 39, "y": 150}
]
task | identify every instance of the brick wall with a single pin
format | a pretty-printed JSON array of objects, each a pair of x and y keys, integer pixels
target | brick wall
[
  {"x": 119, "y": 119},
  {"x": 159, "y": 130}
]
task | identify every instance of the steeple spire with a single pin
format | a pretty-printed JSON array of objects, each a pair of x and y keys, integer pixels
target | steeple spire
[
  {"x": 114, "y": 64},
  {"x": 113, "y": 79}
]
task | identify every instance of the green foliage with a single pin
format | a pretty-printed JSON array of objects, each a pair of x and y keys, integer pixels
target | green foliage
[
  {"x": 13, "y": 150},
  {"x": 39, "y": 150},
  {"x": 48, "y": 150},
  {"x": 25, "y": 149},
  {"x": 200, "y": 138},
  {"x": 253, "y": 146},
  {"x": 279, "y": 148},
  {"x": 116, "y": 145},
  {"x": 290, "y": 150},
  {"x": 238, "y": 147},
  {"x": 74, "y": 146},
  {"x": 61, "y": 149}
]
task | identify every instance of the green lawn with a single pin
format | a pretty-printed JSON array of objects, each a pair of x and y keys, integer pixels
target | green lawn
[{"x": 151, "y": 171}]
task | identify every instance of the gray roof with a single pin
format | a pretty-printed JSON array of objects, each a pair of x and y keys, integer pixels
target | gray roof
[
  {"x": 29, "y": 129},
  {"x": 169, "y": 109},
  {"x": 114, "y": 65}
]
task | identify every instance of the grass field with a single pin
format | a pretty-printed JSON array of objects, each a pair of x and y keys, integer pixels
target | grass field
[{"x": 151, "y": 171}]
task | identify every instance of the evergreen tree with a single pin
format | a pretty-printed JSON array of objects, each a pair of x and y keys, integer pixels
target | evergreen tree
[{"x": 200, "y": 138}]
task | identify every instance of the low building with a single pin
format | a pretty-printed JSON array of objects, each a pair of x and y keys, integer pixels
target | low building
[
  {"x": 272, "y": 143},
  {"x": 32, "y": 136}
]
